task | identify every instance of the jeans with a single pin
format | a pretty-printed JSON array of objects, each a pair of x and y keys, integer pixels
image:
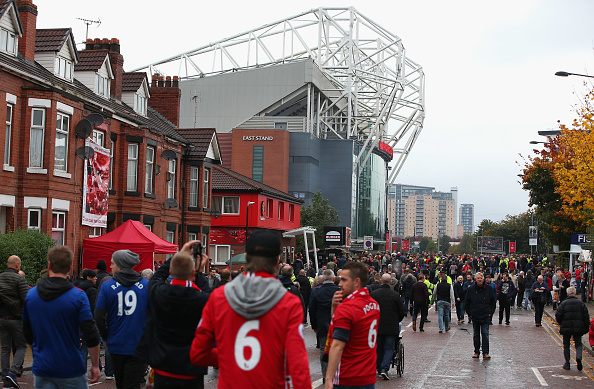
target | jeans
[
  {"x": 578, "y": 285},
  {"x": 80, "y": 382},
  {"x": 567, "y": 344},
  {"x": 385, "y": 351},
  {"x": 129, "y": 371},
  {"x": 164, "y": 382},
  {"x": 538, "y": 311},
  {"x": 443, "y": 314},
  {"x": 481, "y": 330},
  {"x": 520, "y": 298},
  {"x": 323, "y": 364},
  {"x": 407, "y": 305},
  {"x": 12, "y": 331},
  {"x": 527, "y": 299},
  {"x": 460, "y": 309},
  {"x": 504, "y": 305},
  {"x": 423, "y": 309}
]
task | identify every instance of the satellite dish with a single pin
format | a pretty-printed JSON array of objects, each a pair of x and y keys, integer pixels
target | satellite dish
[
  {"x": 83, "y": 129},
  {"x": 170, "y": 203},
  {"x": 85, "y": 152},
  {"x": 169, "y": 154},
  {"x": 96, "y": 119}
]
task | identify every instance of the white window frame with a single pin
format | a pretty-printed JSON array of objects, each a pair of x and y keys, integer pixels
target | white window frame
[
  {"x": 61, "y": 118},
  {"x": 140, "y": 103},
  {"x": 8, "y": 138},
  {"x": 149, "y": 227},
  {"x": 171, "y": 182},
  {"x": 37, "y": 128},
  {"x": 192, "y": 236},
  {"x": 132, "y": 168},
  {"x": 63, "y": 68},
  {"x": 204, "y": 240},
  {"x": 194, "y": 176},
  {"x": 99, "y": 137},
  {"x": 150, "y": 164},
  {"x": 5, "y": 38},
  {"x": 57, "y": 228},
  {"x": 291, "y": 210},
  {"x": 38, "y": 212},
  {"x": 95, "y": 232},
  {"x": 102, "y": 85},
  {"x": 224, "y": 202},
  {"x": 205, "y": 188},
  {"x": 269, "y": 208},
  {"x": 281, "y": 209},
  {"x": 214, "y": 254}
]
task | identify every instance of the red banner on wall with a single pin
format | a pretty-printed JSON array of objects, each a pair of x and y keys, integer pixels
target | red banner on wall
[
  {"x": 512, "y": 247},
  {"x": 405, "y": 245}
]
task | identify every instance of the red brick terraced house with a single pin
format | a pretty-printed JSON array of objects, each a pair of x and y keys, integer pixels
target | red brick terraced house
[{"x": 49, "y": 87}]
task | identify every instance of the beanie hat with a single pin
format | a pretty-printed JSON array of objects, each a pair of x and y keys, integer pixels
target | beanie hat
[
  {"x": 264, "y": 242},
  {"x": 101, "y": 265},
  {"x": 125, "y": 259}
]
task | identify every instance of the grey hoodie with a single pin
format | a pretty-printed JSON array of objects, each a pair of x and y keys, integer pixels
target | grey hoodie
[{"x": 252, "y": 296}]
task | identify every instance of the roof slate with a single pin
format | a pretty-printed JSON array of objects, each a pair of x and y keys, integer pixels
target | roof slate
[
  {"x": 90, "y": 60},
  {"x": 52, "y": 39},
  {"x": 77, "y": 90},
  {"x": 200, "y": 138},
  {"x": 132, "y": 81},
  {"x": 227, "y": 180}
]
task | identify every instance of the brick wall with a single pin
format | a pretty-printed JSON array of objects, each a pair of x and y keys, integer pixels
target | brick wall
[{"x": 165, "y": 97}]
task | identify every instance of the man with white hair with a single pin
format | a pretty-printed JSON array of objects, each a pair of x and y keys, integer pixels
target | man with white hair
[
  {"x": 539, "y": 294},
  {"x": 573, "y": 318}
]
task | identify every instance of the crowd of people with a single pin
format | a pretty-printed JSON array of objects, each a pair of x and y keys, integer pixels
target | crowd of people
[{"x": 179, "y": 320}]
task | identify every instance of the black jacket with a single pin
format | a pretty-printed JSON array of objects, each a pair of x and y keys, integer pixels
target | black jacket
[
  {"x": 373, "y": 286},
  {"x": 459, "y": 292},
  {"x": 90, "y": 290},
  {"x": 320, "y": 307},
  {"x": 480, "y": 302},
  {"x": 407, "y": 284},
  {"x": 391, "y": 310},
  {"x": 304, "y": 287},
  {"x": 572, "y": 315},
  {"x": 173, "y": 318}
]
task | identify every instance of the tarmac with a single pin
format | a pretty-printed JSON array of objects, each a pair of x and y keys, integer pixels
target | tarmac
[{"x": 550, "y": 312}]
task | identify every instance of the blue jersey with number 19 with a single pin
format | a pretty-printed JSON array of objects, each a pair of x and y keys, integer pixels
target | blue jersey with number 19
[
  {"x": 355, "y": 322},
  {"x": 126, "y": 308}
]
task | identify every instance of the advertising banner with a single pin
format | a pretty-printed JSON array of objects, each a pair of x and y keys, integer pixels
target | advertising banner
[
  {"x": 337, "y": 236},
  {"x": 405, "y": 245},
  {"x": 489, "y": 244},
  {"x": 96, "y": 186},
  {"x": 387, "y": 241},
  {"x": 512, "y": 247},
  {"x": 533, "y": 235}
]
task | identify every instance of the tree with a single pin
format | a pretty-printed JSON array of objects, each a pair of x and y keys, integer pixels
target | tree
[
  {"x": 318, "y": 214},
  {"x": 31, "y": 247},
  {"x": 431, "y": 247},
  {"x": 466, "y": 244},
  {"x": 444, "y": 244},
  {"x": 423, "y": 243}
]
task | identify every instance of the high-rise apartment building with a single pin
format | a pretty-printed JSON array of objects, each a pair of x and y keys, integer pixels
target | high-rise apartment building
[
  {"x": 420, "y": 211},
  {"x": 467, "y": 218}
]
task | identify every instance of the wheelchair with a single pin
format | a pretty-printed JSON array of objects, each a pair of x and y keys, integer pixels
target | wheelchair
[{"x": 398, "y": 356}]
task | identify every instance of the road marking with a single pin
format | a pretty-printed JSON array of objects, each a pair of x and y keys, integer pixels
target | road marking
[
  {"x": 317, "y": 383},
  {"x": 539, "y": 377},
  {"x": 450, "y": 376},
  {"x": 569, "y": 377},
  {"x": 409, "y": 324}
]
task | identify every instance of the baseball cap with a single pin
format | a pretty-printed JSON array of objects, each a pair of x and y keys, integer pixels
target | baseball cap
[{"x": 264, "y": 242}]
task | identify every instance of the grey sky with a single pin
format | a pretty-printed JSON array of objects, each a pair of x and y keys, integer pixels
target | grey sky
[{"x": 489, "y": 67}]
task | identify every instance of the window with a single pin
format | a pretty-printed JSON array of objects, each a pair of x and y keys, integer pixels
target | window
[
  {"x": 205, "y": 191},
  {"x": 132, "y": 167},
  {"x": 258, "y": 163},
  {"x": 8, "y": 41},
  {"x": 58, "y": 227},
  {"x": 111, "y": 164},
  {"x": 269, "y": 208},
  {"x": 281, "y": 210},
  {"x": 37, "y": 137},
  {"x": 140, "y": 104},
  {"x": 169, "y": 238},
  {"x": 291, "y": 211},
  {"x": 220, "y": 253},
  {"x": 192, "y": 236},
  {"x": 204, "y": 240},
  {"x": 94, "y": 232},
  {"x": 149, "y": 227},
  {"x": 194, "y": 186},
  {"x": 150, "y": 162},
  {"x": 63, "y": 68},
  {"x": 280, "y": 125},
  {"x": 102, "y": 85},
  {"x": 99, "y": 137},
  {"x": 9, "y": 110},
  {"x": 171, "y": 179},
  {"x": 226, "y": 205},
  {"x": 34, "y": 219},
  {"x": 62, "y": 126}
]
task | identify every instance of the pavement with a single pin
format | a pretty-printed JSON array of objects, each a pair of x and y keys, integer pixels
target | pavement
[{"x": 550, "y": 312}]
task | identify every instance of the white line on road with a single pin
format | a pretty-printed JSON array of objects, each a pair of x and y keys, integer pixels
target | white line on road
[
  {"x": 539, "y": 377},
  {"x": 317, "y": 383},
  {"x": 409, "y": 324}
]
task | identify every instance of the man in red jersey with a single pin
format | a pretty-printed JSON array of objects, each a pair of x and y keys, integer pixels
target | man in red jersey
[
  {"x": 352, "y": 357},
  {"x": 256, "y": 325}
]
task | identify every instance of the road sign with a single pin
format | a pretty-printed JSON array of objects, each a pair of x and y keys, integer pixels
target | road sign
[{"x": 368, "y": 242}]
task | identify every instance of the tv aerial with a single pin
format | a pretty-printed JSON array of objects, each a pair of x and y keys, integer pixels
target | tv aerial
[{"x": 88, "y": 22}]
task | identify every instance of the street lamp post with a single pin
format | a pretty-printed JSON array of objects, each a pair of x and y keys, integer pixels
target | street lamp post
[
  {"x": 566, "y": 74},
  {"x": 247, "y": 213}
]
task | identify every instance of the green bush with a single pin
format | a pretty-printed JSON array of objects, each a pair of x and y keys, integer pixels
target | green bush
[{"x": 31, "y": 247}]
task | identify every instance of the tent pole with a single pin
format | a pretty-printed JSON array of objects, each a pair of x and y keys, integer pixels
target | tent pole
[
  {"x": 306, "y": 248},
  {"x": 313, "y": 236}
]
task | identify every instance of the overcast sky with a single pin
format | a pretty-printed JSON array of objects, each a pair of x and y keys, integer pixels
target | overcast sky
[{"x": 489, "y": 68}]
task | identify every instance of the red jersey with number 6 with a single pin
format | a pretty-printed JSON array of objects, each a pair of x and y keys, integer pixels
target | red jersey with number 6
[
  {"x": 259, "y": 351},
  {"x": 356, "y": 318}
]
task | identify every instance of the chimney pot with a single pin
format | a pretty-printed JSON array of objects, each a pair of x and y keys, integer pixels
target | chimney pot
[
  {"x": 96, "y": 44},
  {"x": 154, "y": 81},
  {"x": 89, "y": 44},
  {"x": 104, "y": 44},
  {"x": 175, "y": 83},
  {"x": 168, "y": 82},
  {"x": 161, "y": 83},
  {"x": 114, "y": 45}
]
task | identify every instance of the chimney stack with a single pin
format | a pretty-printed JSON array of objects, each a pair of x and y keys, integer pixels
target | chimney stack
[
  {"x": 28, "y": 14},
  {"x": 117, "y": 66},
  {"x": 165, "y": 97}
]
